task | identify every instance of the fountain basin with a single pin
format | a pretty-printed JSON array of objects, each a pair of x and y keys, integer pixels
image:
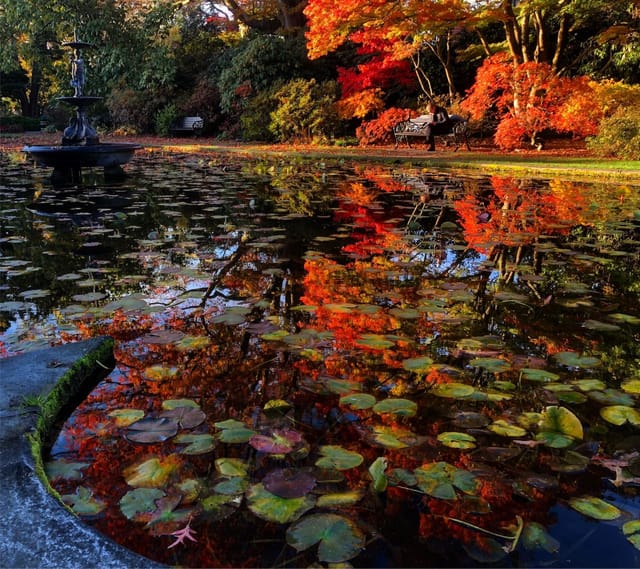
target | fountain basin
[{"x": 95, "y": 155}]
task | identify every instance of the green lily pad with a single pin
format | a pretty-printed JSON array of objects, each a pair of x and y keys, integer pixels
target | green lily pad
[
  {"x": 339, "y": 538},
  {"x": 418, "y": 365},
  {"x": 374, "y": 342},
  {"x": 376, "y": 471},
  {"x": 151, "y": 430},
  {"x": 453, "y": 390},
  {"x": 66, "y": 470},
  {"x": 505, "y": 429},
  {"x": 151, "y": 473},
  {"x": 83, "y": 503},
  {"x": 391, "y": 438},
  {"x": 231, "y": 466},
  {"x": 611, "y": 397},
  {"x": 229, "y": 424},
  {"x": 457, "y": 440},
  {"x": 333, "y": 456},
  {"x": 196, "y": 443},
  {"x": 276, "y": 408},
  {"x": 272, "y": 508},
  {"x": 595, "y": 508},
  {"x": 541, "y": 375},
  {"x": 535, "y": 536},
  {"x": 232, "y": 486},
  {"x": 358, "y": 400},
  {"x": 494, "y": 365},
  {"x": 139, "y": 501},
  {"x": 126, "y": 417},
  {"x": 236, "y": 436},
  {"x": 589, "y": 384},
  {"x": 631, "y": 386},
  {"x": 559, "y": 427},
  {"x": 624, "y": 318},
  {"x": 575, "y": 360},
  {"x": 441, "y": 479},
  {"x": 632, "y": 532},
  {"x": 401, "y": 407},
  {"x": 170, "y": 404},
  {"x": 600, "y": 326},
  {"x": 342, "y": 386},
  {"x": 620, "y": 414},
  {"x": 189, "y": 342},
  {"x": 339, "y": 499}
]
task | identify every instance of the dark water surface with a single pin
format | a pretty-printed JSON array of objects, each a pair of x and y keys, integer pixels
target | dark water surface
[{"x": 333, "y": 362}]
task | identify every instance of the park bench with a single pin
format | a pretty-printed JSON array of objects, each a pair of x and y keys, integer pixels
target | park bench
[
  {"x": 416, "y": 128},
  {"x": 192, "y": 125}
]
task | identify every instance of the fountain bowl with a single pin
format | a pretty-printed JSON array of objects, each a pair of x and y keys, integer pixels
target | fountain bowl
[{"x": 105, "y": 155}]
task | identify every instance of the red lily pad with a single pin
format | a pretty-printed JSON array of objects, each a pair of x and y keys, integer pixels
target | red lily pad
[
  {"x": 289, "y": 482},
  {"x": 151, "y": 430},
  {"x": 282, "y": 441}
]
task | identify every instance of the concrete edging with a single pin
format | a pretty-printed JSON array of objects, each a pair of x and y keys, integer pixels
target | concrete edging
[{"x": 36, "y": 530}]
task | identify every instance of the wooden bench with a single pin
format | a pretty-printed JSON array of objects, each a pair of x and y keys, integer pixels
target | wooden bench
[
  {"x": 193, "y": 125},
  {"x": 416, "y": 128}
]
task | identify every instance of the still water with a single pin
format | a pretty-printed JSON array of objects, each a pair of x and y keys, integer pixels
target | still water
[{"x": 324, "y": 362}]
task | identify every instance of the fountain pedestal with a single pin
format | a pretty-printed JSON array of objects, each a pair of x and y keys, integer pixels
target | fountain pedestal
[{"x": 80, "y": 146}]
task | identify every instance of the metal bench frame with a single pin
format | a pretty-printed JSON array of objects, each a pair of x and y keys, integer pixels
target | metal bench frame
[
  {"x": 188, "y": 124},
  {"x": 416, "y": 128}
]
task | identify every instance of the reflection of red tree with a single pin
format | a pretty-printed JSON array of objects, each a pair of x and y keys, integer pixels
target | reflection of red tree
[{"x": 513, "y": 216}]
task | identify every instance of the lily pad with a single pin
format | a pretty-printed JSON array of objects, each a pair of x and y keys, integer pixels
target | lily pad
[
  {"x": 377, "y": 473},
  {"x": 125, "y": 417},
  {"x": 333, "y": 456},
  {"x": 541, "y": 375},
  {"x": 151, "y": 430},
  {"x": 559, "y": 427},
  {"x": 65, "y": 470},
  {"x": 289, "y": 482},
  {"x": 339, "y": 499},
  {"x": 575, "y": 360},
  {"x": 83, "y": 503},
  {"x": 339, "y": 538},
  {"x": 341, "y": 386},
  {"x": 418, "y": 365},
  {"x": 152, "y": 473},
  {"x": 196, "y": 443},
  {"x": 139, "y": 501},
  {"x": 494, "y": 365},
  {"x": 457, "y": 440},
  {"x": 620, "y": 414},
  {"x": 358, "y": 400},
  {"x": 232, "y": 486},
  {"x": 505, "y": 429},
  {"x": 631, "y": 386},
  {"x": 595, "y": 508},
  {"x": 231, "y": 466},
  {"x": 281, "y": 441},
  {"x": 611, "y": 397},
  {"x": 441, "y": 480},
  {"x": 272, "y": 508},
  {"x": 374, "y": 342},
  {"x": 632, "y": 532},
  {"x": 186, "y": 417},
  {"x": 535, "y": 536},
  {"x": 453, "y": 390},
  {"x": 401, "y": 407}
]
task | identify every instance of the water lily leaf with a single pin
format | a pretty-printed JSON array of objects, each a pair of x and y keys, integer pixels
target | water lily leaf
[
  {"x": 275, "y": 336},
  {"x": 457, "y": 440},
  {"x": 196, "y": 443},
  {"x": 230, "y": 318},
  {"x": 152, "y": 473},
  {"x": 186, "y": 417},
  {"x": 289, "y": 482},
  {"x": 374, "y": 342},
  {"x": 281, "y": 441},
  {"x": 358, "y": 400},
  {"x": 151, "y": 430},
  {"x": 405, "y": 313},
  {"x": 494, "y": 365},
  {"x": 220, "y": 506},
  {"x": 575, "y": 360},
  {"x": 272, "y": 508},
  {"x": 418, "y": 365},
  {"x": 485, "y": 550},
  {"x": 441, "y": 479},
  {"x": 139, "y": 501},
  {"x": 276, "y": 408},
  {"x": 624, "y": 318},
  {"x": 453, "y": 390},
  {"x": 401, "y": 407},
  {"x": 232, "y": 486},
  {"x": 42, "y": 293},
  {"x": 600, "y": 326},
  {"x": 595, "y": 508},
  {"x": 125, "y": 417},
  {"x": 535, "y": 536},
  {"x": 89, "y": 297},
  {"x": 83, "y": 503},
  {"x": 620, "y": 414},
  {"x": 333, "y": 456},
  {"x": 559, "y": 427},
  {"x": 505, "y": 429},
  {"x": 529, "y": 419},
  {"x": 236, "y": 436},
  {"x": 631, "y": 386},
  {"x": 570, "y": 462},
  {"x": 65, "y": 470},
  {"x": 339, "y": 538},
  {"x": 160, "y": 372},
  {"x": 231, "y": 466},
  {"x": 376, "y": 470},
  {"x": 632, "y": 532},
  {"x": 541, "y": 375},
  {"x": 229, "y": 424},
  {"x": 611, "y": 397},
  {"x": 162, "y": 337},
  {"x": 497, "y": 454},
  {"x": 342, "y": 386},
  {"x": 570, "y": 397},
  {"x": 403, "y": 476},
  {"x": 589, "y": 384},
  {"x": 189, "y": 342},
  {"x": 470, "y": 420},
  {"x": 339, "y": 499}
]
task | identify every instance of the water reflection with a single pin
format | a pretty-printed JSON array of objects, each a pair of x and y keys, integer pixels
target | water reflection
[{"x": 442, "y": 369}]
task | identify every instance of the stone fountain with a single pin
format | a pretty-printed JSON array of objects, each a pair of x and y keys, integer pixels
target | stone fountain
[{"x": 80, "y": 147}]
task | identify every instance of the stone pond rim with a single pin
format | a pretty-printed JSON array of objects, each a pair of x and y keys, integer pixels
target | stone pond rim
[{"x": 105, "y": 155}]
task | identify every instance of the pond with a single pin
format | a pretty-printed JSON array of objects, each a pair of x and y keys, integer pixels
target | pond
[{"x": 339, "y": 363}]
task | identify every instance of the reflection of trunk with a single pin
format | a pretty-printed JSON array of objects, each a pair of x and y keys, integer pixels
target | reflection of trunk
[{"x": 29, "y": 96}]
